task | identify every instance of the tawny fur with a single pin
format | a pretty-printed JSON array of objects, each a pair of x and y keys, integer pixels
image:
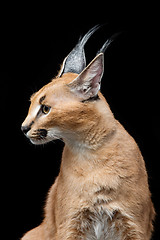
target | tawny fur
[{"x": 102, "y": 190}]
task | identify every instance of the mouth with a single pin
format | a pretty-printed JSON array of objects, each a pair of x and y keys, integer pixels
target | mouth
[
  {"x": 42, "y": 136},
  {"x": 39, "y": 137}
]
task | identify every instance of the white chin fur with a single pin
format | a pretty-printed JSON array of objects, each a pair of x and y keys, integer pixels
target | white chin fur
[
  {"x": 39, "y": 142},
  {"x": 42, "y": 141}
]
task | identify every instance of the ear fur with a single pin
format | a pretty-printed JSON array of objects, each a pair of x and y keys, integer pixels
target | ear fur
[
  {"x": 107, "y": 43},
  {"x": 87, "y": 84},
  {"x": 75, "y": 61}
]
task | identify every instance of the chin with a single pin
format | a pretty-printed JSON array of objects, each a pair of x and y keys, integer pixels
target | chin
[{"x": 39, "y": 141}]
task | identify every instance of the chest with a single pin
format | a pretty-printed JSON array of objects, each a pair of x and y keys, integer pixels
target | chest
[
  {"x": 98, "y": 225},
  {"x": 86, "y": 215}
]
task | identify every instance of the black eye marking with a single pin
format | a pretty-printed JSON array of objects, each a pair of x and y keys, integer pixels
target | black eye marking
[
  {"x": 31, "y": 124},
  {"x": 42, "y": 99}
]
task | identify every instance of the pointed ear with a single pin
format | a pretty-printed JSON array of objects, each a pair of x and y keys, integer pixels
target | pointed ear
[
  {"x": 87, "y": 84},
  {"x": 75, "y": 61}
]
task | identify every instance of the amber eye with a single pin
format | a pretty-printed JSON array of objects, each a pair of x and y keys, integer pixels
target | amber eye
[{"x": 45, "y": 109}]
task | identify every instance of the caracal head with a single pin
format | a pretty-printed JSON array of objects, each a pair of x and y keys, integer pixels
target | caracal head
[
  {"x": 65, "y": 107},
  {"x": 69, "y": 106}
]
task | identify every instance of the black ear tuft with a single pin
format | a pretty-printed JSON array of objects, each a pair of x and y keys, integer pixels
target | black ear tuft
[
  {"x": 75, "y": 61},
  {"x": 107, "y": 43}
]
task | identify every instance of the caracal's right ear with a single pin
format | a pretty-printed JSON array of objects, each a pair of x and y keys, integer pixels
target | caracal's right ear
[{"x": 87, "y": 84}]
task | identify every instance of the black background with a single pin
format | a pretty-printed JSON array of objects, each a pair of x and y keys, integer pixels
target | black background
[{"x": 34, "y": 41}]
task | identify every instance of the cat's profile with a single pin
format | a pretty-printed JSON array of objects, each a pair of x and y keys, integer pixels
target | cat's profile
[{"x": 101, "y": 192}]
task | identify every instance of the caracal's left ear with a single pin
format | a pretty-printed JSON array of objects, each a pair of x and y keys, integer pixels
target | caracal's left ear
[
  {"x": 87, "y": 84},
  {"x": 75, "y": 62}
]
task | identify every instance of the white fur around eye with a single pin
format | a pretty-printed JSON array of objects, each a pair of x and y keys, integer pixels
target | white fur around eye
[{"x": 35, "y": 111}]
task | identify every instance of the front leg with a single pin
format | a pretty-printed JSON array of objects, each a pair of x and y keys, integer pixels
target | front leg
[
  {"x": 49, "y": 220},
  {"x": 35, "y": 234}
]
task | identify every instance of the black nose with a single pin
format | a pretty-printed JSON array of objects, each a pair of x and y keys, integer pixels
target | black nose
[{"x": 25, "y": 129}]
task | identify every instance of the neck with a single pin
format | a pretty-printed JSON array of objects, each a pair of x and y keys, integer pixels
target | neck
[
  {"x": 81, "y": 159},
  {"x": 93, "y": 138},
  {"x": 95, "y": 135}
]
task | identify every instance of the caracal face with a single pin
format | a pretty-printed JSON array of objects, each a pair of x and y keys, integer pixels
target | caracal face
[
  {"x": 61, "y": 109},
  {"x": 44, "y": 118}
]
